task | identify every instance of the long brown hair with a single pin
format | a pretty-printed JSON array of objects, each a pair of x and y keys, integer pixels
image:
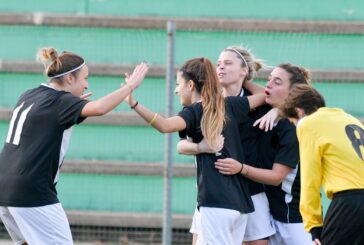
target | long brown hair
[{"x": 203, "y": 74}]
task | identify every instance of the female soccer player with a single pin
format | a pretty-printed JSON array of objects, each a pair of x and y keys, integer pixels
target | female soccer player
[
  {"x": 236, "y": 68},
  {"x": 280, "y": 159},
  {"x": 222, "y": 200},
  {"x": 38, "y": 136},
  {"x": 332, "y": 156}
]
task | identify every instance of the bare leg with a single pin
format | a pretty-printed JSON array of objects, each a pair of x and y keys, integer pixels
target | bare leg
[
  {"x": 194, "y": 238},
  {"x": 257, "y": 242}
]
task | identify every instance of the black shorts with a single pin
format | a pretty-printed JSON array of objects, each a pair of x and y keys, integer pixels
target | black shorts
[{"x": 344, "y": 221}]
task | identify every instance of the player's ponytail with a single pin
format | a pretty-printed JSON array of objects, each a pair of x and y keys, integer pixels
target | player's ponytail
[{"x": 202, "y": 72}]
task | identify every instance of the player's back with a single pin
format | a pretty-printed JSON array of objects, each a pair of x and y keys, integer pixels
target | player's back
[{"x": 340, "y": 140}]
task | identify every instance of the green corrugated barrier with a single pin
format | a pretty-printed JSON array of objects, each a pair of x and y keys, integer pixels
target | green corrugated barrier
[
  {"x": 117, "y": 143},
  {"x": 123, "y": 46},
  {"x": 151, "y": 93},
  {"x": 281, "y": 9},
  {"x": 128, "y": 193},
  {"x": 120, "y": 193}
]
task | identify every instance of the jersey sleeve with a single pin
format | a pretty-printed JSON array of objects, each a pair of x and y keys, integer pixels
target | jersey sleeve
[
  {"x": 240, "y": 107},
  {"x": 310, "y": 153},
  {"x": 69, "y": 110},
  {"x": 288, "y": 152},
  {"x": 188, "y": 115}
]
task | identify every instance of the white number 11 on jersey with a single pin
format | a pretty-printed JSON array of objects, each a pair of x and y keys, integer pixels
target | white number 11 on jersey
[{"x": 19, "y": 126}]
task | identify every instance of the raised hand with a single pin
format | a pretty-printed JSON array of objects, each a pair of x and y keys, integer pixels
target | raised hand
[{"x": 136, "y": 78}]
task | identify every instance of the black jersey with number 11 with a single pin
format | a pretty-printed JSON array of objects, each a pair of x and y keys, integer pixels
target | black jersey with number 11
[{"x": 35, "y": 145}]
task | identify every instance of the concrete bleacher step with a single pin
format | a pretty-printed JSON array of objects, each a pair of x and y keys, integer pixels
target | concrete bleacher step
[
  {"x": 183, "y": 23},
  {"x": 126, "y": 168},
  {"x": 124, "y": 219}
]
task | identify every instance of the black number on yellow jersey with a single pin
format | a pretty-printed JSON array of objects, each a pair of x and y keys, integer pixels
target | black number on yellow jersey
[{"x": 356, "y": 136}]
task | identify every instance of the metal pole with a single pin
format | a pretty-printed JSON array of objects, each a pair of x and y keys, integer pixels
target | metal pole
[{"x": 167, "y": 210}]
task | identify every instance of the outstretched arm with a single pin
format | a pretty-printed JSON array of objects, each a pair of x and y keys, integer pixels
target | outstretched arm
[
  {"x": 110, "y": 101},
  {"x": 163, "y": 125}
]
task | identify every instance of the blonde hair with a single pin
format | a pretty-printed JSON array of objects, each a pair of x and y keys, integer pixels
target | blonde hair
[
  {"x": 203, "y": 74},
  {"x": 248, "y": 60},
  {"x": 55, "y": 64}
]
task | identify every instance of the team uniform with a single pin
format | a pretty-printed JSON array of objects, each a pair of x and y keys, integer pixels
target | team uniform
[
  {"x": 223, "y": 200},
  {"x": 259, "y": 225},
  {"x": 11, "y": 226},
  {"x": 280, "y": 145},
  {"x": 332, "y": 155},
  {"x": 38, "y": 136}
]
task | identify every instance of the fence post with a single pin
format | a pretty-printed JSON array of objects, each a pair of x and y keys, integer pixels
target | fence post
[{"x": 167, "y": 209}]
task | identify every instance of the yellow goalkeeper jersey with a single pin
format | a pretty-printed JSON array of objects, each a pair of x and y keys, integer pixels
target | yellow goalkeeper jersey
[{"x": 331, "y": 144}]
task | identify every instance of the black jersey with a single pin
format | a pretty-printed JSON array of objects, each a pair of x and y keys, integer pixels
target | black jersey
[
  {"x": 33, "y": 150},
  {"x": 250, "y": 137},
  {"x": 215, "y": 189},
  {"x": 281, "y": 146}
]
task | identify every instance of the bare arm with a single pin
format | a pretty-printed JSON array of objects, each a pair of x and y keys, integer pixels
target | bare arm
[
  {"x": 256, "y": 100},
  {"x": 186, "y": 147},
  {"x": 111, "y": 100},
  {"x": 253, "y": 87},
  {"x": 163, "y": 125},
  {"x": 272, "y": 176}
]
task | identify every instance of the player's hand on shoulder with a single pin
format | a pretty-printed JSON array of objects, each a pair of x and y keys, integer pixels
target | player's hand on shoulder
[{"x": 268, "y": 121}]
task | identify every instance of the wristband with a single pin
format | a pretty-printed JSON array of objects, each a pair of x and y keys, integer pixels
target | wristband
[
  {"x": 135, "y": 105},
  {"x": 241, "y": 169}
]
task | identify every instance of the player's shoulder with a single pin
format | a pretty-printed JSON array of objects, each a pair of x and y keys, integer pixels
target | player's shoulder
[
  {"x": 285, "y": 125},
  {"x": 194, "y": 107}
]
